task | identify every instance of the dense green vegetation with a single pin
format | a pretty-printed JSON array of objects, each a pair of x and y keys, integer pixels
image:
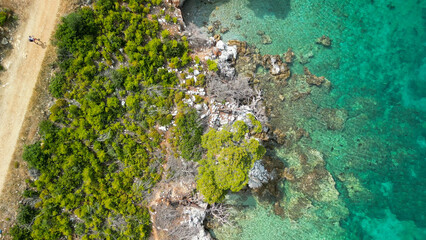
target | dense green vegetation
[
  {"x": 5, "y": 16},
  {"x": 212, "y": 65},
  {"x": 187, "y": 135},
  {"x": 230, "y": 156},
  {"x": 100, "y": 150}
]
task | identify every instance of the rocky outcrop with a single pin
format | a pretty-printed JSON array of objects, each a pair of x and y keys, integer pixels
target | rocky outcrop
[
  {"x": 176, "y": 3},
  {"x": 258, "y": 175},
  {"x": 276, "y": 67},
  {"x": 4, "y": 41},
  {"x": 226, "y": 59},
  {"x": 241, "y": 46},
  {"x": 289, "y": 55},
  {"x": 311, "y": 79},
  {"x": 195, "y": 217}
]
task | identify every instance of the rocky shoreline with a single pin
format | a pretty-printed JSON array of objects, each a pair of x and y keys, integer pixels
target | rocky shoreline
[{"x": 231, "y": 94}]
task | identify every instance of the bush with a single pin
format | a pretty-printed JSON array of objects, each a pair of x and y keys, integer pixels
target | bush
[
  {"x": 57, "y": 86},
  {"x": 29, "y": 193},
  {"x": 212, "y": 65},
  {"x": 20, "y": 233},
  {"x": 228, "y": 160},
  {"x": 187, "y": 134},
  {"x": 33, "y": 154},
  {"x": 5, "y": 15},
  {"x": 76, "y": 30},
  {"x": 26, "y": 215}
]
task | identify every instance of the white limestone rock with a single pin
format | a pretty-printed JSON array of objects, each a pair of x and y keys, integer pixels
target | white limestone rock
[{"x": 258, "y": 175}]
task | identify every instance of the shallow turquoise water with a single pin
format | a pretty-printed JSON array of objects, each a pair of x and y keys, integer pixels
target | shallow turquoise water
[{"x": 377, "y": 66}]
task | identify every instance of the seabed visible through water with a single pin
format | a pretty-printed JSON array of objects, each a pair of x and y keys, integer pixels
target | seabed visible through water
[{"x": 373, "y": 166}]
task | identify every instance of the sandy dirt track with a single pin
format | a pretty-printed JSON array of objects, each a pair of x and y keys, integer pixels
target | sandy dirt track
[{"x": 23, "y": 67}]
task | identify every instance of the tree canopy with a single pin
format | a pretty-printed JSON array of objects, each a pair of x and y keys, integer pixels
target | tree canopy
[{"x": 230, "y": 155}]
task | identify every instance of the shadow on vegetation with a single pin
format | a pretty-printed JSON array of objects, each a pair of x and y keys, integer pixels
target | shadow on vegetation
[{"x": 277, "y": 8}]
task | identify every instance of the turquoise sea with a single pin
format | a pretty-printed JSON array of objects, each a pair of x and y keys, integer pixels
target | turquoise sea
[{"x": 361, "y": 173}]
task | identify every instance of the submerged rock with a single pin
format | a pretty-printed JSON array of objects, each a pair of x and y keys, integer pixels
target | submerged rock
[
  {"x": 224, "y": 30},
  {"x": 334, "y": 118},
  {"x": 4, "y": 41},
  {"x": 266, "y": 39},
  {"x": 260, "y": 33},
  {"x": 311, "y": 79},
  {"x": 324, "y": 40},
  {"x": 289, "y": 55}
]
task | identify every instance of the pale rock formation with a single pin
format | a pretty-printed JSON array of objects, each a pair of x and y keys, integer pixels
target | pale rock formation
[
  {"x": 194, "y": 218},
  {"x": 258, "y": 175},
  {"x": 226, "y": 59}
]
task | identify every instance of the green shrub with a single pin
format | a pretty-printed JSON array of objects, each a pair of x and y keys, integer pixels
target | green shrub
[
  {"x": 187, "y": 134},
  {"x": 212, "y": 65},
  {"x": 34, "y": 156},
  {"x": 201, "y": 80},
  {"x": 99, "y": 159},
  {"x": 57, "y": 86},
  {"x": 29, "y": 193},
  {"x": 20, "y": 233},
  {"x": 228, "y": 160},
  {"x": 165, "y": 34},
  {"x": 26, "y": 215},
  {"x": 5, "y": 15}
]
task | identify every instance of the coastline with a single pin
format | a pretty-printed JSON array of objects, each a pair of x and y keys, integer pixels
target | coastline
[{"x": 316, "y": 170}]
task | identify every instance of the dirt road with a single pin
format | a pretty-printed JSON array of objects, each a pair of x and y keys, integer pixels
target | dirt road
[{"x": 23, "y": 67}]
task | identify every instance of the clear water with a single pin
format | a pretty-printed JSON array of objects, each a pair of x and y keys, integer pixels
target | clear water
[{"x": 377, "y": 163}]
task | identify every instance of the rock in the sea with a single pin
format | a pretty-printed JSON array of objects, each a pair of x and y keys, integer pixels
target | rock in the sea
[
  {"x": 324, "y": 40},
  {"x": 224, "y": 30},
  {"x": 276, "y": 67},
  {"x": 258, "y": 175},
  {"x": 241, "y": 46},
  {"x": 4, "y": 41},
  {"x": 210, "y": 29},
  {"x": 311, "y": 79},
  {"x": 238, "y": 17},
  {"x": 266, "y": 39},
  {"x": 288, "y": 56}
]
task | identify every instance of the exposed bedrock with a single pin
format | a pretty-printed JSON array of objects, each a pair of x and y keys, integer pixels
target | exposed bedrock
[
  {"x": 176, "y": 3},
  {"x": 258, "y": 175}
]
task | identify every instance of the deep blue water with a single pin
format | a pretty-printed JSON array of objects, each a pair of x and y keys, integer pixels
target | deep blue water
[{"x": 377, "y": 67}]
